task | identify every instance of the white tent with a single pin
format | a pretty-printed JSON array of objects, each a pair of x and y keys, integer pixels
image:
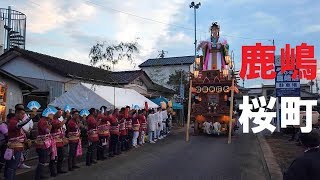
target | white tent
[
  {"x": 80, "y": 97},
  {"x": 94, "y": 96},
  {"x": 123, "y": 97}
]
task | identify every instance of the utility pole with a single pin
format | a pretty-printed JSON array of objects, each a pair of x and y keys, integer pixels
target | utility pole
[
  {"x": 195, "y": 7},
  {"x": 114, "y": 90}
]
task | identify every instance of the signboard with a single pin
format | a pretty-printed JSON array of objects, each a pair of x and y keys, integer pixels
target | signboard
[
  {"x": 182, "y": 91},
  {"x": 284, "y": 84},
  {"x": 212, "y": 89}
]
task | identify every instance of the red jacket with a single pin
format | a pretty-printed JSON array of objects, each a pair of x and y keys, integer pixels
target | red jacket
[
  {"x": 143, "y": 122},
  {"x": 135, "y": 121},
  {"x": 73, "y": 127},
  {"x": 122, "y": 123},
  {"x": 114, "y": 123},
  {"x": 15, "y": 132},
  {"x": 92, "y": 127},
  {"x": 56, "y": 126},
  {"x": 56, "y": 129},
  {"x": 43, "y": 127}
]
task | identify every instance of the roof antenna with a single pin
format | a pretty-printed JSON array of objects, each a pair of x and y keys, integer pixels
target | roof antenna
[{"x": 162, "y": 53}]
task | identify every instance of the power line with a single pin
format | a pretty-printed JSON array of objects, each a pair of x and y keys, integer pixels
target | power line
[{"x": 157, "y": 21}]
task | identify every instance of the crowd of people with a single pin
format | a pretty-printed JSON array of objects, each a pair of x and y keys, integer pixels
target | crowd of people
[{"x": 106, "y": 132}]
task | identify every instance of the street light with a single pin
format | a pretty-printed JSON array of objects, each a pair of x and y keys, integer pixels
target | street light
[{"x": 195, "y": 7}]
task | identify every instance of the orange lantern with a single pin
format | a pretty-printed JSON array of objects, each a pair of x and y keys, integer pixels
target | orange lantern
[{"x": 200, "y": 118}]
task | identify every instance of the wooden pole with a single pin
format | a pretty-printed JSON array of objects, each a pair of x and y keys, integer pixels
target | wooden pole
[
  {"x": 189, "y": 111},
  {"x": 231, "y": 108}
]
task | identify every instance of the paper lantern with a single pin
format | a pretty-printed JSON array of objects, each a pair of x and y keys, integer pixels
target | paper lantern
[
  {"x": 170, "y": 103},
  {"x": 196, "y": 73},
  {"x": 200, "y": 118},
  {"x": 225, "y": 72}
]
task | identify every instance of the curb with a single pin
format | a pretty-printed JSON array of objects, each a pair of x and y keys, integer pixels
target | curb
[{"x": 272, "y": 165}]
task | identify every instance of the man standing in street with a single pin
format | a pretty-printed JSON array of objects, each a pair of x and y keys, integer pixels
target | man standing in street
[
  {"x": 16, "y": 140},
  {"x": 114, "y": 134},
  {"x": 93, "y": 137},
  {"x": 57, "y": 133},
  {"x": 151, "y": 126},
  {"x": 104, "y": 134},
  {"x": 74, "y": 139},
  {"x": 143, "y": 126},
  {"x": 136, "y": 129}
]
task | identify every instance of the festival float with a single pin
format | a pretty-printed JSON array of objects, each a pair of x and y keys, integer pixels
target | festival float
[
  {"x": 212, "y": 86},
  {"x": 3, "y": 100}
]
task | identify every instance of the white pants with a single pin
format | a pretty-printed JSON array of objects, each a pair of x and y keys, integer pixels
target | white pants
[
  {"x": 135, "y": 138},
  {"x": 142, "y": 137},
  {"x": 150, "y": 135},
  {"x": 158, "y": 133}
]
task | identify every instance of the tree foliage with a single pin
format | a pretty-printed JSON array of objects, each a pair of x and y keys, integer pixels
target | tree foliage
[
  {"x": 112, "y": 53},
  {"x": 175, "y": 79}
]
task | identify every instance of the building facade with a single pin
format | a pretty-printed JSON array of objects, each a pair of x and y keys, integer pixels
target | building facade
[
  {"x": 160, "y": 69},
  {"x": 54, "y": 76}
]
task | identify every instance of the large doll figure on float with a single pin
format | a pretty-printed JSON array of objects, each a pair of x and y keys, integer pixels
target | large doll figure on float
[{"x": 215, "y": 50}]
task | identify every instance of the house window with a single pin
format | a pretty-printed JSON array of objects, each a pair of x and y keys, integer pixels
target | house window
[{"x": 139, "y": 82}]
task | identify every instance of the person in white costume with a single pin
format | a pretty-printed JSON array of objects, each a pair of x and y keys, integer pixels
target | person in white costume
[
  {"x": 164, "y": 119},
  {"x": 158, "y": 116},
  {"x": 151, "y": 126},
  {"x": 215, "y": 50},
  {"x": 207, "y": 127}
]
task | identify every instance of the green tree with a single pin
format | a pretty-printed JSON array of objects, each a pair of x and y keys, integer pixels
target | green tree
[{"x": 175, "y": 81}]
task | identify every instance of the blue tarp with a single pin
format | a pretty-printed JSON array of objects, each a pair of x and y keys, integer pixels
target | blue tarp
[{"x": 162, "y": 99}]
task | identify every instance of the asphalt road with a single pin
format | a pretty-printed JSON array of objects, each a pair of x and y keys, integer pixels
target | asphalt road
[{"x": 202, "y": 158}]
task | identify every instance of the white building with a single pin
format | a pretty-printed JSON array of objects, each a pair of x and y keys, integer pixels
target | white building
[
  {"x": 54, "y": 76},
  {"x": 160, "y": 69}
]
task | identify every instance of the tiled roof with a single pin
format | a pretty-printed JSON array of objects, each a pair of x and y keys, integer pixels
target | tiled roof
[
  {"x": 80, "y": 71},
  {"x": 168, "y": 61},
  {"x": 126, "y": 77},
  {"x": 64, "y": 67}
]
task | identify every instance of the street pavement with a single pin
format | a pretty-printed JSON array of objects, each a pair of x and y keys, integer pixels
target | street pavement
[{"x": 204, "y": 157}]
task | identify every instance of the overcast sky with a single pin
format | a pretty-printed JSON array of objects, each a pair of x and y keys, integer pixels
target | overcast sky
[{"x": 68, "y": 28}]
